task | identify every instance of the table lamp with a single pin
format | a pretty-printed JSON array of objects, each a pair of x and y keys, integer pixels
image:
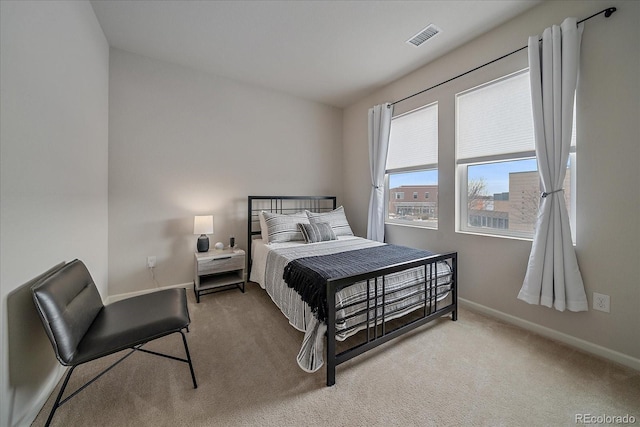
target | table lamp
[{"x": 203, "y": 225}]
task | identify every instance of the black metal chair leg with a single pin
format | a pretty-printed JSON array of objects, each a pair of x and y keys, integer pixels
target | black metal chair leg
[
  {"x": 186, "y": 349},
  {"x": 56, "y": 405}
]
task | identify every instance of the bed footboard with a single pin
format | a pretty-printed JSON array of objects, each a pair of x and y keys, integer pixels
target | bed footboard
[{"x": 376, "y": 333}]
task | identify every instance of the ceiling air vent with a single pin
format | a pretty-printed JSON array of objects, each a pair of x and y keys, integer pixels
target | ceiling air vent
[{"x": 424, "y": 35}]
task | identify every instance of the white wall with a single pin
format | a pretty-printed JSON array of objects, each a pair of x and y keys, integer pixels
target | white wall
[
  {"x": 53, "y": 186},
  {"x": 184, "y": 143},
  {"x": 608, "y": 199}
]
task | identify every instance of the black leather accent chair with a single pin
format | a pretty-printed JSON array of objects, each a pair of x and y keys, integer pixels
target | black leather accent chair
[{"x": 82, "y": 329}]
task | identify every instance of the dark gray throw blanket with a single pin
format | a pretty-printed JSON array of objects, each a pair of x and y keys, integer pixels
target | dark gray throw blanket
[{"x": 308, "y": 276}]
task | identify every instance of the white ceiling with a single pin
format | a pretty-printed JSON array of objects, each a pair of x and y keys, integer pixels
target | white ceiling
[{"x": 332, "y": 52}]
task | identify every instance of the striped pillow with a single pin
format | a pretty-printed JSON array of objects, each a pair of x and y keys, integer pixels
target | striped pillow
[
  {"x": 318, "y": 232},
  {"x": 335, "y": 218},
  {"x": 284, "y": 228}
]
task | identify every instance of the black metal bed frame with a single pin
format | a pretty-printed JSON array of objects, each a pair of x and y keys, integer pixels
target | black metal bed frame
[{"x": 376, "y": 333}]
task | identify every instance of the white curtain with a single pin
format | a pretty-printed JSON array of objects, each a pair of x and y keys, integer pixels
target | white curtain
[
  {"x": 553, "y": 277},
  {"x": 379, "y": 130}
]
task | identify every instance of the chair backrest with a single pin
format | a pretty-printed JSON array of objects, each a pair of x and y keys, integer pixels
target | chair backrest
[{"x": 67, "y": 302}]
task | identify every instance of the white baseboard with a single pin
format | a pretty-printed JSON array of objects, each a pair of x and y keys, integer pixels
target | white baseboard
[
  {"x": 118, "y": 297},
  {"x": 572, "y": 341}
]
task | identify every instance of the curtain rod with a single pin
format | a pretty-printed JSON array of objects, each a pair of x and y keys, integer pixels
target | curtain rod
[{"x": 607, "y": 13}]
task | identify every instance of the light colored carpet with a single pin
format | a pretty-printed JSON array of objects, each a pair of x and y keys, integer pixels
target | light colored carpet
[{"x": 476, "y": 371}]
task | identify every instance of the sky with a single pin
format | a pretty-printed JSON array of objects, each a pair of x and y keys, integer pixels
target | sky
[{"x": 496, "y": 175}]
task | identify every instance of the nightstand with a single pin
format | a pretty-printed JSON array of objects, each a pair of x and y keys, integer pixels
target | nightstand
[{"x": 218, "y": 270}]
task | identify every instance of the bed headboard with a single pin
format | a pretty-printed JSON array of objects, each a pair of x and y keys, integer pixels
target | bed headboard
[{"x": 284, "y": 205}]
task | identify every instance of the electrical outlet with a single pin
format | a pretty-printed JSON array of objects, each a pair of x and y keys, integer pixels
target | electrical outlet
[
  {"x": 151, "y": 261},
  {"x": 601, "y": 302}
]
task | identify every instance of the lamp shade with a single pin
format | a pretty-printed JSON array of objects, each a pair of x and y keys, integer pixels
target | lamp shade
[{"x": 203, "y": 224}]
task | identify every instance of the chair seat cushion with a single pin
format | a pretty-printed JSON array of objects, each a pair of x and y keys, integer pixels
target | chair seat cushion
[{"x": 129, "y": 322}]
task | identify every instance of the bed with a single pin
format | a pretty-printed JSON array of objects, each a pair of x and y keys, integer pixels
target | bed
[{"x": 330, "y": 283}]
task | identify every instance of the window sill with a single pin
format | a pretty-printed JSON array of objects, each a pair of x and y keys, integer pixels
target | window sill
[
  {"x": 411, "y": 224},
  {"x": 499, "y": 236}
]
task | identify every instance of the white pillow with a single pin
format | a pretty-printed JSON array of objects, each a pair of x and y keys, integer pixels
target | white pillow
[
  {"x": 283, "y": 228},
  {"x": 335, "y": 218},
  {"x": 263, "y": 228}
]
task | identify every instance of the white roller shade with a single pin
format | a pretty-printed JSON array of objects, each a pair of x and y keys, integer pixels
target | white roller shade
[
  {"x": 495, "y": 119},
  {"x": 414, "y": 139}
]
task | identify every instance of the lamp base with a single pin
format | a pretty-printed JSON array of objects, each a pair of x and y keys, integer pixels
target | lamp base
[{"x": 203, "y": 243}]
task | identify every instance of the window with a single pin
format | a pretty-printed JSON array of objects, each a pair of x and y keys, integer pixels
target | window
[
  {"x": 412, "y": 168},
  {"x": 498, "y": 183}
]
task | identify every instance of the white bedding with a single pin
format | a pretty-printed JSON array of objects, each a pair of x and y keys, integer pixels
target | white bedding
[{"x": 267, "y": 269}]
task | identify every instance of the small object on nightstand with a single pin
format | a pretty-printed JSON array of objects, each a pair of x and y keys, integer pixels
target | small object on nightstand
[
  {"x": 219, "y": 246},
  {"x": 232, "y": 242},
  {"x": 203, "y": 225},
  {"x": 218, "y": 270}
]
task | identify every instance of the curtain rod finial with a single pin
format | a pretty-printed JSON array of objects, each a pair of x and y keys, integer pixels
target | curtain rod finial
[{"x": 609, "y": 12}]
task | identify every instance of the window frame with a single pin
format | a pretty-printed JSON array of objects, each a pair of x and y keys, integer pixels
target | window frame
[
  {"x": 461, "y": 189},
  {"x": 396, "y": 221},
  {"x": 417, "y": 168}
]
